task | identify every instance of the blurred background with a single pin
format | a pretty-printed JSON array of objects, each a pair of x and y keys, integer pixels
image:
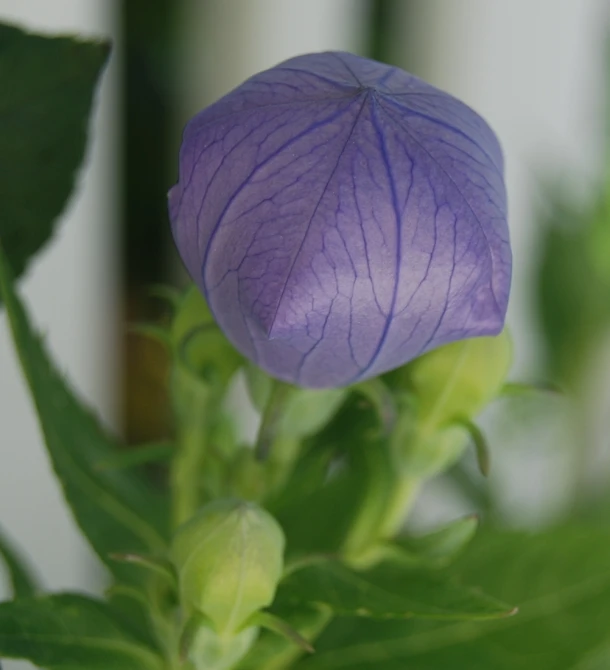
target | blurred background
[{"x": 537, "y": 70}]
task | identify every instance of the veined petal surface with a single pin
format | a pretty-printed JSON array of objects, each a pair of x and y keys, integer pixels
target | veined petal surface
[{"x": 342, "y": 217}]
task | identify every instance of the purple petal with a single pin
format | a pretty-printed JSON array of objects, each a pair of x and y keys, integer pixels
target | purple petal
[{"x": 343, "y": 217}]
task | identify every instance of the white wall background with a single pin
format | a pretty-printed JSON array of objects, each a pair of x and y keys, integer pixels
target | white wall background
[{"x": 533, "y": 68}]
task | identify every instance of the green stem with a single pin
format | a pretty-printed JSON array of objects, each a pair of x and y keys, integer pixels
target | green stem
[
  {"x": 271, "y": 419},
  {"x": 281, "y": 462},
  {"x": 399, "y": 504},
  {"x": 276, "y": 450},
  {"x": 390, "y": 486},
  {"x": 165, "y": 630},
  {"x": 384, "y": 492},
  {"x": 185, "y": 475}
]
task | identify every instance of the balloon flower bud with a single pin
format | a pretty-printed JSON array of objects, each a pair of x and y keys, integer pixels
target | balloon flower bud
[
  {"x": 458, "y": 380},
  {"x": 343, "y": 217},
  {"x": 229, "y": 559}
]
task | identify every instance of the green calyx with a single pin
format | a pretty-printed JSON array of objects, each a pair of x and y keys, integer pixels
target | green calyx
[
  {"x": 229, "y": 560},
  {"x": 457, "y": 381}
]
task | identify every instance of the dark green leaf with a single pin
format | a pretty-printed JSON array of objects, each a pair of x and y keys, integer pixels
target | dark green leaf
[
  {"x": 116, "y": 510},
  {"x": 71, "y": 632},
  {"x": 319, "y": 519},
  {"x": 46, "y": 91},
  {"x": 560, "y": 580},
  {"x": 22, "y": 580},
  {"x": 330, "y": 481},
  {"x": 388, "y": 591}
]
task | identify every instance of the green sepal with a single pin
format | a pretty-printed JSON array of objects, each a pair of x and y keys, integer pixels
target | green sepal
[
  {"x": 272, "y": 651},
  {"x": 160, "y": 566},
  {"x": 480, "y": 444},
  {"x": 189, "y": 632},
  {"x": 21, "y": 577},
  {"x": 277, "y": 625},
  {"x": 203, "y": 649},
  {"x": 121, "y": 592}
]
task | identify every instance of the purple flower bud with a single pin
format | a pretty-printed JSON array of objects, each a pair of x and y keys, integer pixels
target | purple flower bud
[{"x": 342, "y": 217}]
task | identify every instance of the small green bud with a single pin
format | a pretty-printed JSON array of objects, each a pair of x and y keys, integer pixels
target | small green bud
[
  {"x": 458, "y": 380},
  {"x": 229, "y": 560},
  {"x": 304, "y": 411},
  {"x": 199, "y": 343},
  {"x": 192, "y": 312}
]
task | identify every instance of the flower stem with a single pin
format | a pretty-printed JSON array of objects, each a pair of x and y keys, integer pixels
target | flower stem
[
  {"x": 400, "y": 502},
  {"x": 382, "y": 502},
  {"x": 271, "y": 419},
  {"x": 185, "y": 476}
]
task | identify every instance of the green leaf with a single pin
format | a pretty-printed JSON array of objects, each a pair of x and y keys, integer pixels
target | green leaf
[
  {"x": 559, "y": 579},
  {"x": 23, "y": 582},
  {"x": 317, "y": 520},
  {"x": 388, "y": 591},
  {"x": 329, "y": 482},
  {"x": 116, "y": 510},
  {"x": 46, "y": 91},
  {"x": 441, "y": 546},
  {"x": 71, "y": 632}
]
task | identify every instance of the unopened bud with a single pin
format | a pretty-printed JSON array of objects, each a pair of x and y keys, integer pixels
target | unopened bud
[
  {"x": 458, "y": 380},
  {"x": 229, "y": 559}
]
